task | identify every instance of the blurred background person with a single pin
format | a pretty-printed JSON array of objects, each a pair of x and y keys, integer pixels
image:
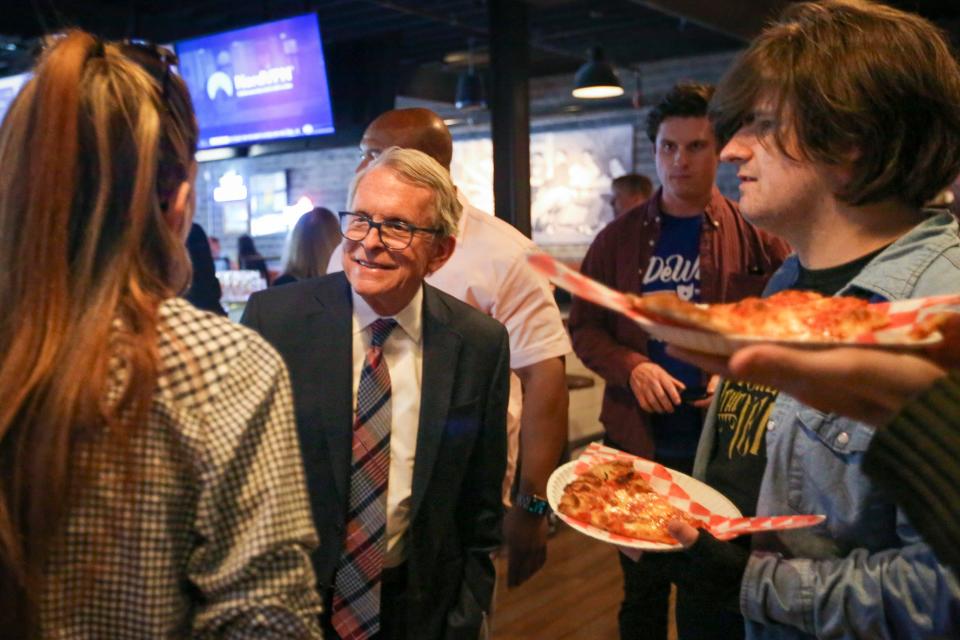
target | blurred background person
[
  {"x": 629, "y": 191},
  {"x": 220, "y": 261},
  {"x": 204, "y": 292},
  {"x": 248, "y": 258},
  {"x": 309, "y": 246},
  {"x": 126, "y": 434}
]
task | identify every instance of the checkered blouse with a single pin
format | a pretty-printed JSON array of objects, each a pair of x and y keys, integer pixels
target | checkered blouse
[{"x": 210, "y": 535}]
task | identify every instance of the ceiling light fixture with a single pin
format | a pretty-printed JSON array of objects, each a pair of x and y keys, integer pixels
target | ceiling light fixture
[
  {"x": 596, "y": 78},
  {"x": 470, "y": 87},
  {"x": 469, "y": 92}
]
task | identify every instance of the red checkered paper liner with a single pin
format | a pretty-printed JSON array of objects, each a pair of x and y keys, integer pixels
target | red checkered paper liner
[
  {"x": 904, "y": 315},
  {"x": 665, "y": 482}
]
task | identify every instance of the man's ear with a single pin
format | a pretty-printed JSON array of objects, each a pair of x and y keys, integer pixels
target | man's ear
[
  {"x": 442, "y": 250},
  {"x": 841, "y": 173},
  {"x": 179, "y": 213}
]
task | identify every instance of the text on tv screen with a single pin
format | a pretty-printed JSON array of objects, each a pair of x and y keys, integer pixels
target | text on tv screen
[{"x": 260, "y": 83}]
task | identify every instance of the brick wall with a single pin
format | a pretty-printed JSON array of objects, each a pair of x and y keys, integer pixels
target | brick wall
[{"x": 324, "y": 174}]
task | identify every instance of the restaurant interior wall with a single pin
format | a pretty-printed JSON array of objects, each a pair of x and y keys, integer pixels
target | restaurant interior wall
[{"x": 323, "y": 175}]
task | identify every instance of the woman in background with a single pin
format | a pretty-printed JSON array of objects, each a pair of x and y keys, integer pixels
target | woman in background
[
  {"x": 249, "y": 258},
  {"x": 310, "y": 245},
  {"x": 204, "y": 291},
  {"x": 150, "y": 483}
]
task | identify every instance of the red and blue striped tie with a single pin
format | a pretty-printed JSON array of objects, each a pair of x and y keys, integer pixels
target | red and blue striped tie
[{"x": 356, "y": 593}]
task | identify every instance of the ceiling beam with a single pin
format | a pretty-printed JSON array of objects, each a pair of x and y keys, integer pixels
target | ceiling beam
[{"x": 742, "y": 20}]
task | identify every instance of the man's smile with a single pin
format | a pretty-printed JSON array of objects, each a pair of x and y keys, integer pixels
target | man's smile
[{"x": 371, "y": 265}]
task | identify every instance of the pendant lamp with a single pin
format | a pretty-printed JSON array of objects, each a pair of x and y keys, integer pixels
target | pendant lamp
[{"x": 596, "y": 78}]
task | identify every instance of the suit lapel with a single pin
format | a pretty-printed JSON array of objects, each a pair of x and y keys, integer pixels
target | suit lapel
[
  {"x": 330, "y": 327},
  {"x": 441, "y": 351}
]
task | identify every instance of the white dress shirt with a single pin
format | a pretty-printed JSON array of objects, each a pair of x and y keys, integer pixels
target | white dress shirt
[{"x": 403, "y": 352}]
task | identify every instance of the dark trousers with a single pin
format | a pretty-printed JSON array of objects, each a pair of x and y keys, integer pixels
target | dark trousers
[
  {"x": 646, "y": 591},
  {"x": 646, "y": 598},
  {"x": 699, "y": 620},
  {"x": 393, "y": 623}
]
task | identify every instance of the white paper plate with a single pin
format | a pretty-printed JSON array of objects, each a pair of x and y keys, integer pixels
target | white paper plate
[
  {"x": 724, "y": 345},
  {"x": 906, "y": 313},
  {"x": 699, "y": 492}
]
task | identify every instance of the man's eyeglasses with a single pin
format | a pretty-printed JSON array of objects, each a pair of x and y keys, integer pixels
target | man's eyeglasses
[{"x": 395, "y": 235}]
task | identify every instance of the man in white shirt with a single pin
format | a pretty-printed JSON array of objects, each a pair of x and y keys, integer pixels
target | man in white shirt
[
  {"x": 489, "y": 271},
  {"x": 401, "y": 396}
]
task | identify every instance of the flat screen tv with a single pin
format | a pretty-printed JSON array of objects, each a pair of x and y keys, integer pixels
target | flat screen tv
[
  {"x": 9, "y": 88},
  {"x": 266, "y": 82}
]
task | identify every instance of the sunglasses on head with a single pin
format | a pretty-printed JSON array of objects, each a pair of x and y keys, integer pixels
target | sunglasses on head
[{"x": 167, "y": 59}]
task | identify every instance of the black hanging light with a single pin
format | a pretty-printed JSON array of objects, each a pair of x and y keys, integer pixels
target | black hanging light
[
  {"x": 469, "y": 92},
  {"x": 470, "y": 87},
  {"x": 596, "y": 78}
]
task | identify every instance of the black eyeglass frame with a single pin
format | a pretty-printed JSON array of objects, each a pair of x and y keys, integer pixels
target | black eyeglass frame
[{"x": 399, "y": 225}]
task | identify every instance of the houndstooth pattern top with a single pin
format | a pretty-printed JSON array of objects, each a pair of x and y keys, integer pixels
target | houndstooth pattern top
[{"x": 210, "y": 534}]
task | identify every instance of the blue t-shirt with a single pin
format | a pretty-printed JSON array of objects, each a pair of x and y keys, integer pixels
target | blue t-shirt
[{"x": 675, "y": 267}]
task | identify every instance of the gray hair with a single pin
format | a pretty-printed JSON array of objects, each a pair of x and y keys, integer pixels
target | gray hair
[{"x": 417, "y": 168}]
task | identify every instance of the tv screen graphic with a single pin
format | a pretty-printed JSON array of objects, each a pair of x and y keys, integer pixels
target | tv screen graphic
[
  {"x": 266, "y": 82},
  {"x": 9, "y": 88}
]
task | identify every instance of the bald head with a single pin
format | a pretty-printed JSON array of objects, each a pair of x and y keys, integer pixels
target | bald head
[{"x": 419, "y": 129}]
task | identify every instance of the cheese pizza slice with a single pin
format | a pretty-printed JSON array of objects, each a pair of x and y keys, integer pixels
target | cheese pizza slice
[
  {"x": 788, "y": 315},
  {"x": 614, "y": 497}
]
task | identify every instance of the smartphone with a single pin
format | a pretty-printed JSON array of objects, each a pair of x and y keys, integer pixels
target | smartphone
[{"x": 693, "y": 394}]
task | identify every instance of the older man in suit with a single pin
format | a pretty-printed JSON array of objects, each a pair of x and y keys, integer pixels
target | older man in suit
[{"x": 401, "y": 394}]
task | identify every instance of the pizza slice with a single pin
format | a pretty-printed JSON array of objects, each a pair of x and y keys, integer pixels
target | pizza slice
[
  {"x": 614, "y": 497},
  {"x": 649, "y": 515},
  {"x": 788, "y": 315}
]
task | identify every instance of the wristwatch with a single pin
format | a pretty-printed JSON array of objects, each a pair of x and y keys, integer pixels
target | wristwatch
[{"x": 532, "y": 503}]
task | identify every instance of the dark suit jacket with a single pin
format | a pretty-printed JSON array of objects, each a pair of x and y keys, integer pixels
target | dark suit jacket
[{"x": 456, "y": 506}]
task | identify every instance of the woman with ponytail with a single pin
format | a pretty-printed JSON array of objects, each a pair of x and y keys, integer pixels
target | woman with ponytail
[{"x": 150, "y": 478}]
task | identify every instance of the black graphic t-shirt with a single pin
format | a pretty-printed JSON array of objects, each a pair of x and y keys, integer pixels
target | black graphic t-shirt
[
  {"x": 675, "y": 267},
  {"x": 740, "y": 454}
]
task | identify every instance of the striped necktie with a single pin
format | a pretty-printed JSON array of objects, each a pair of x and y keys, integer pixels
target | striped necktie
[{"x": 356, "y": 593}]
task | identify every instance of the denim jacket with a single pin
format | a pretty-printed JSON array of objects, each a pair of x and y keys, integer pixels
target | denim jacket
[{"x": 864, "y": 572}]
